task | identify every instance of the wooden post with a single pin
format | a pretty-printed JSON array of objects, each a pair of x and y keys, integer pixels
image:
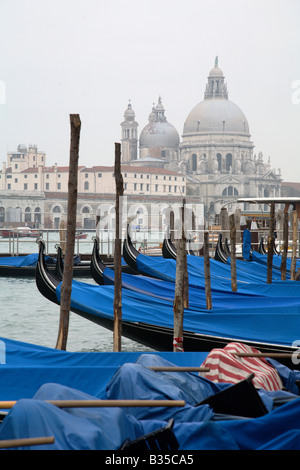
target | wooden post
[
  {"x": 285, "y": 246},
  {"x": 62, "y": 236},
  {"x": 270, "y": 244},
  {"x": 185, "y": 267},
  {"x": 207, "y": 271},
  {"x": 294, "y": 247},
  {"x": 224, "y": 222},
  {"x": 181, "y": 289},
  {"x": 66, "y": 287},
  {"x": 233, "y": 253},
  {"x": 117, "y": 332}
]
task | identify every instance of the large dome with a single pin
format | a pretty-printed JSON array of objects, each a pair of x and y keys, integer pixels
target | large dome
[
  {"x": 159, "y": 133},
  {"x": 216, "y": 115}
]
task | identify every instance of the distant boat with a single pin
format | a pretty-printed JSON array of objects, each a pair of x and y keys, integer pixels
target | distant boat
[
  {"x": 81, "y": 236},
  {"x": 21, "y": 232}
]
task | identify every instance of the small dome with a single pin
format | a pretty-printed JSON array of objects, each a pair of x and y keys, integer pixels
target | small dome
[
  {"x": 129, "y": 114},
  {"x": 216, "y": 72},
  {"x": 159, "y": 133},
  {"x": 22, "y": 148}
]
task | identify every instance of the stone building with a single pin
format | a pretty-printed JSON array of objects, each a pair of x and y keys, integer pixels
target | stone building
[
  {"x": 34, "y": 194},
  {"x": 216, "y": 152}
]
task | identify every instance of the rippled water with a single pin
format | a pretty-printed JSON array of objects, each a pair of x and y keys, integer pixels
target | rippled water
[{"x": 25, "y": 315}]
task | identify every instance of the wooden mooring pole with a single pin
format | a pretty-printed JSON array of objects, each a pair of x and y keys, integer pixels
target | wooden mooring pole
[
  {"x": 117, "y": 332},
  {"x": 66, "y": 287},
  {"x": 294, "y": 246},
  {"x": 233, "y": 253},
  {"x": 270, "y": 244},
  {"x": 207, "y": 271},
  {"x": 285, "y": 246},
  {"x": 181, "y": 288}
]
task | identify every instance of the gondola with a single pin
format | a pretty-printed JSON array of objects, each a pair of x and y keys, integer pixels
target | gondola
[
  {"x": 25, "y": 266},
  {"x": 226, "y": 248},
  {"x": 153, "y": 336},
  {"x": 130, "y": 253},
  {"x": 148, "y": 320},
  {"x": 168, "y": 249},
  {"x": 251, "y": 277},
  {"x": 97, "y": 266},
  {"x": 220, "y": 254},
  {"x": 261, "y": 248},
  {"x": 22, "y": 266}
]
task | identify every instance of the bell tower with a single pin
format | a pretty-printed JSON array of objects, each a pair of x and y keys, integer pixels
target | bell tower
[{"x": 129, "y": 138}]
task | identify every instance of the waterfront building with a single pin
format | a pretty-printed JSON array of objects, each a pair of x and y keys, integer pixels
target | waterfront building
[
  {"x": 34, "y": 194},
  {"x": 213, "y": 164}
]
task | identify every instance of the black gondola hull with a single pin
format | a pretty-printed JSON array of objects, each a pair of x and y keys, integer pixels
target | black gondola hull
[{"x": 149, "y": 335}]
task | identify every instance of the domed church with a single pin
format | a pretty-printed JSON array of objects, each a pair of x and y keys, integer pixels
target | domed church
[{"x": 215, "y": 153}]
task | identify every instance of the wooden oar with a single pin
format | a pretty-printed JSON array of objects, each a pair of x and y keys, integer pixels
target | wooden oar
[
  {"x": 27, "y": 441},
  {"x": 179, "y": 369},
  {"x": 103, "y": 403},
  {"x": 288, "y": 355}
]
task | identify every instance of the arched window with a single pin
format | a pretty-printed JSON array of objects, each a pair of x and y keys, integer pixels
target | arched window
[
  {"x": 85, "y": 210},
  {"x": 2, "y": 214},
  {"x": 230, "y": 191},
  {"x": 194, "y": 162},
  {"x": 228, "y": 161},
  {"x": 219, "y": 160},
  {"x": 37, "y": 216},
  {"x": 56, "y": 209},
  {"x": 27, "y": 215}
]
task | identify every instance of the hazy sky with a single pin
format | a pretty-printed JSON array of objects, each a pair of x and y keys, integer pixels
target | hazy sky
[{"x": 91, "y": 56}]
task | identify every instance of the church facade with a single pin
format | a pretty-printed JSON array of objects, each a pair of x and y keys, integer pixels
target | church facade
[{"x": 215, "y": 151}]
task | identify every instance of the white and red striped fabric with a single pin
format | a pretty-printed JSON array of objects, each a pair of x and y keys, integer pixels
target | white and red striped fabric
[{"x": 225, "y": 366}]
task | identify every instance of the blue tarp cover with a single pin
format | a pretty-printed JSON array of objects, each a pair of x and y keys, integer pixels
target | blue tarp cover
[
  {"x": 18, "y": 261},
  {"x": 251, "y": 276},
  {"x": 246, "y": 244},
  {"x": 196, "y": 428},
  {"x": 23, "y": 261},
  {"x": 258, "y": 319}
]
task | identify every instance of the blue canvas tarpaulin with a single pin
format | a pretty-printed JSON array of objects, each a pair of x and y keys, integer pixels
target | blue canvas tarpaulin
[
  {"x": 196, "y": 428},
  {"x": 23, "y": 261},
  {"x": 247, "y": 244},
  {"x": 85, "y": 371},
  {"x": 251, "y": 277},
  {"x": 259, "y": 319}
]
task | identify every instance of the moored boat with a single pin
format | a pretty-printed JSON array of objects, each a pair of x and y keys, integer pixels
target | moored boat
[{"x": 149, "y": 320}]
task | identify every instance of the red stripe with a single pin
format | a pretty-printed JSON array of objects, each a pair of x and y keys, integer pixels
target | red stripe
[{"x": 225, "y": 366}]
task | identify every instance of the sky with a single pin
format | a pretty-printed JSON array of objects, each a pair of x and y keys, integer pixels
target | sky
[{"x": 90, "y": 57}]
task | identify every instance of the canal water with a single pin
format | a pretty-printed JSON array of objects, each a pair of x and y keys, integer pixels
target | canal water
[{"x": 25, "y": 315}]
